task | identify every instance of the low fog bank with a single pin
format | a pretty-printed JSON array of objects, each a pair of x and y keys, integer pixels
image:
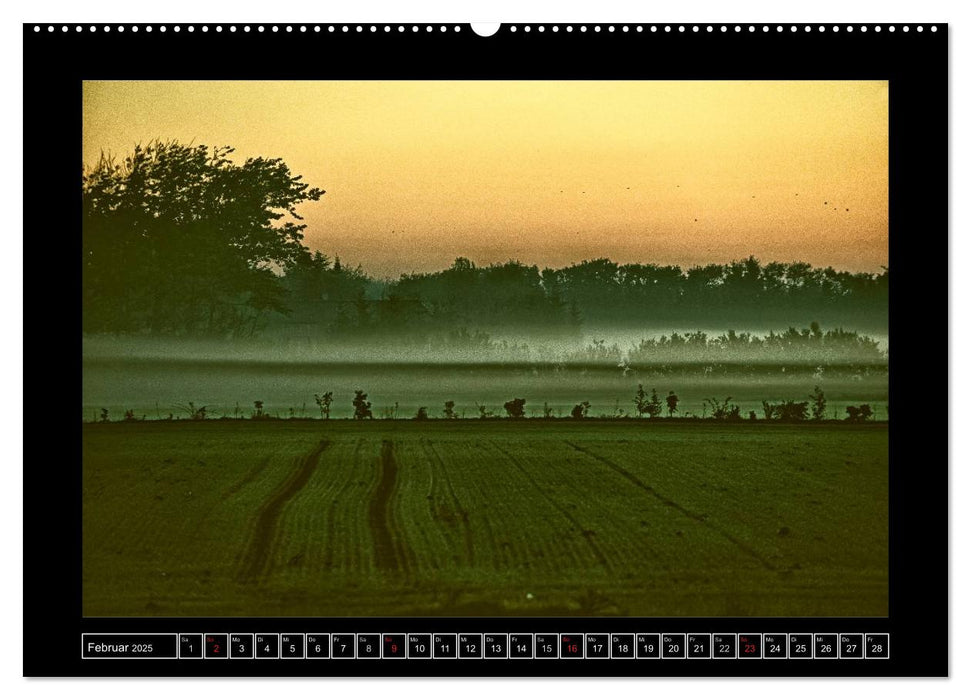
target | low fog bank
[{"x": 616, "y": 346}]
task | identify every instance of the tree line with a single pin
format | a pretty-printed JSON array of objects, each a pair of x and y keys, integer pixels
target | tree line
[
  {"x": 614, "y": 294},
  {"x": 182, "y": 240},
  {"x": 810, "y": 345}
]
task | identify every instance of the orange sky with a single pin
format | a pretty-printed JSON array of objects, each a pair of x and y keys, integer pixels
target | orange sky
[{"x": 418, "y": 173}]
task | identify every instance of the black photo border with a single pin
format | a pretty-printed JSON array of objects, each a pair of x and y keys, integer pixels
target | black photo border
[{"x": 915, "y": 63}]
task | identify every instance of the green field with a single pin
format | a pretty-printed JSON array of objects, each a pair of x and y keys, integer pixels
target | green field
[{"x": 456, "y": 518}]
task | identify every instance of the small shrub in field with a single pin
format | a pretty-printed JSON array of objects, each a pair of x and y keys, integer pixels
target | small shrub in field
[
  {"x": 818, "y": 403},
  {"x": 104, "y": 415},
  {"x": 579, "y": 411},
  {"x": 652, "y": 406},
  {"x": 787, "y": 411},
  {"x": 515, "y": 408},
  {"x": 362, "y": 407},
  {"x": 672, "y": 402},
  {"x": 859, "y": 414},
  {"x": 323, "y": 403},
  {"x": 422, "y": 413},
  {"x": 723, "y": 410}
]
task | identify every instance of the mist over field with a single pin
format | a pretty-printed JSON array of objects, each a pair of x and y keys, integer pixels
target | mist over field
[
  {"x": 533, "y": 346},
  {"x": 157, "y": 378}
]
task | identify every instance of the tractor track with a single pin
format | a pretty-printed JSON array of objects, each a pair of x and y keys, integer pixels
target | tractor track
[
  {"x": 257, "y": 556},
  {"x": 248, "y": 478},
  {"x": 766, "y": 564},
  {"x": 585, "y": 533},
  {"x": 388, "y": 555}
]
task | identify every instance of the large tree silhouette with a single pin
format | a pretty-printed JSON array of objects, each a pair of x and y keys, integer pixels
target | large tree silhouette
[{"x": 181, "y": 239}]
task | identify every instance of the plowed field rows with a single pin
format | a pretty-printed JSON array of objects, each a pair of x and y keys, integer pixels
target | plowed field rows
[{"x": 484, "y": 518}]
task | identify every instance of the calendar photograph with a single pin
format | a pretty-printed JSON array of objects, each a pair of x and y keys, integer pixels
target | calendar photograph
[{"x": 485, "y": 348}]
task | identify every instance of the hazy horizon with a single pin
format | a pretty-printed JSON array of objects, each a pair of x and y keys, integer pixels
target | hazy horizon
[{"x": 418, "y": 173}]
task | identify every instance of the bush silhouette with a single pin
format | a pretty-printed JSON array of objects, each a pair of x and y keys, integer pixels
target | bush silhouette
[
  {"x": 672, "y": 402},
  {"x": 362, "y": 407},
  {"x": 787, "y": 411},
  {"x": 723, "y": 410},
  {"x": 818, "y": 399},
  {"x": 579, "y": 411},
  {"x": 323, "y": 403},
  {"x": 859, "y": 414},
  {"x": 515, "y": 408}
]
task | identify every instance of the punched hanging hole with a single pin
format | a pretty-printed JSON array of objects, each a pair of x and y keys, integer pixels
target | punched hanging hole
[{"x": 485, "y": 29}]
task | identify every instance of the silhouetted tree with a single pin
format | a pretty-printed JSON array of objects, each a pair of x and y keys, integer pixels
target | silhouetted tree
[
  {"x": 640, "y": 400},
  {"x": 323, "y": 403},
  {"x": 672, "y": 402},
  {"x": 258, "y": 409},
  {"x": 515, "y": 408},
  {"x": 818, "y": 403},
  {"x": 654, "y": 405},
  {"x": 181, "y": 239},
  {"x": 449, "y": 410},
  {"x": 422, "y": 413},
  {"x": 362, "y": 407}
]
